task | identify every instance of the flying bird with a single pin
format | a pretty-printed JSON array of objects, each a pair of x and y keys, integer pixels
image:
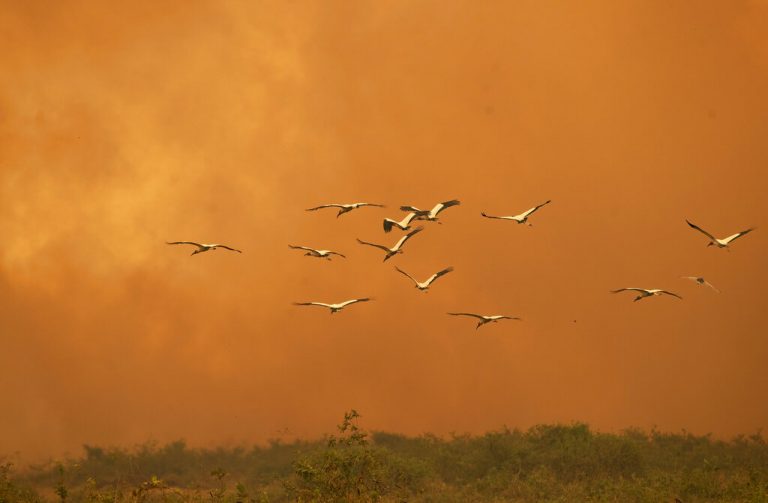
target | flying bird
[
  {"x": 644, "y": 292},
  {"x": 424, "y": 287},
  {"x": 344, "y": 208},
  {"x": 333, "y": 307},
  {"x": 522, "y": 217},
  {"x": 398, "y": 246},
  {"x": 326, "y": 254},
  {"x": 403, "y": 224},
  {"x": 720, "y": 243},
  {"x": 701, "y": 281},
  {"x": 486, "y": 319},
  {"x": 202, "y": 247},
  {"x": 431, "y": 215}
]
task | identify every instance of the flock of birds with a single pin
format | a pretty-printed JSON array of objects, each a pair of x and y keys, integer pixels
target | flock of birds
[{"x": 431, "y": 215}]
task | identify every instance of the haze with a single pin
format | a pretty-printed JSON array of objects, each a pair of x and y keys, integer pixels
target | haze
[{"x": 124, "y": 125}]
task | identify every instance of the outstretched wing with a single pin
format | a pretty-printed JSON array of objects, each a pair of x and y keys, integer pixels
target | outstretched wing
[
  {"x": 332, "y": 205},
  {"x": 331, "y": 252},
  {"x": 630, "y": 289},
  {"x": 381, "y": 247},
  {"x": 711, "y": 286},
  {"x": 321, "y": 304},
  {"x": 737, "y": 235},
  {"x": 504, "y": 317},
  {"x": 344, "y": 304},
  {"x": 468, "y": 314},
  {"x": 229, "y": 248},
  {"x": 694, "y": 226},
  {"x": 493, "y": 216},
  {"x": 183, "y": 243},
  {"x": 526, "y": 213},
  {"x": 412, "y": 208},
  {"x": 370, "y": 204},
  {"x": 444, "y": 205},
  {"x": 403, "y": 224},
  {"x": 408, "y": 219},
  {"x": 388, "y": 223},
  {"x": 671, "y": 293},
  {"x": 403, "y": 272},
  {"x": 405, "y": 238},
  {"x": 302, "y": 248},
  {"x": 438, "y": 274}
]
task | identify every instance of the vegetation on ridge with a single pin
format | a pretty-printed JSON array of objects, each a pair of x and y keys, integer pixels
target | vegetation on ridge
[{"x": 546, "y": 463}]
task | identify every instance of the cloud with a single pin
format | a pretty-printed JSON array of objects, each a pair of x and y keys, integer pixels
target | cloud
[{"x": 126, "y": 126}]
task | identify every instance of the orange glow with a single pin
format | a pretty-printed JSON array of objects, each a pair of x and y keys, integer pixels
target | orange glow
[{"x": 124, "y": 125}]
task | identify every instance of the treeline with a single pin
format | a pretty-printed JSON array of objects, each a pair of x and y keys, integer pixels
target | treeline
[{"x": 547, "y": 463}]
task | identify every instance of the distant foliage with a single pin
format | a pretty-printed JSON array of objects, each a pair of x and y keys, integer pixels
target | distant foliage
[
  {"x": 546, "y": 463},
  {"x": 12, "y": 492}
]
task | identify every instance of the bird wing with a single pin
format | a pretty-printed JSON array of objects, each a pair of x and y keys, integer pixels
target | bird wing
[
  {"x": 671, "y": 293},
  {"x": 438, "y": 274},
  {"x": 526, "y": 213},
  {"x": 370, "y": 204},
  {"x": 402, "y": 224},
  {"x": 321, "y": 304},
  {"x": 711, "y": 286},
  {"x": 405, "y": 238},
  {"x": 408, "y": 219},
  {"x": 307, "y": 248},
  {"x": 504, "y": 317},
  {"x": 382, "y": 247},
  {"x": 403, "y": 272},
  {"x": 737, "y": 235},
  {"x": 444, "y": 205},
  {"x": 229, "y": 248},
  {"x": 332, "y": 205},
  {"x": 493, "y": 216},
  {"x": 694, "y": 226},
  {"x": 468, "y": 314},
  {"x": 631, "y": 289},
  {"x": 330, "y": 252},
  {"x": 412, "y": 208},
  {"x": 183, "y": 243},
  {"x": 346, "y": 303}
]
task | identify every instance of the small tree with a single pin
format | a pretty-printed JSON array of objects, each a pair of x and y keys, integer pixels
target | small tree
[{"x": 348, "y": 469}]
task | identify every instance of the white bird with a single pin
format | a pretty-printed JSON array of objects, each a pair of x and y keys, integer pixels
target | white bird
[
  {"x": 202, "y": 247},
  {"x": 403, "y": 224},
  {"x": 644, "y": 292},
  {"x": 344, "y": 208},
  {"x": 333, "y": 307},
  {"x": 326, "y": 254},
  {"x": 701, "y": 281},
  {"x": 398, "y": 246},
  {"x": 424, "y": 287},
  {"x": 522, "y": 217},
  {"x": 720, "y": 243},
  {"x": 486, "y": 319},
  {"x": 431, "y": 215}
]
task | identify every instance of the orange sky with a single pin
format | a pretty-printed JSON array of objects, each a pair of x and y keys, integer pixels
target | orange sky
[{"x": 126, "y": 125}]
